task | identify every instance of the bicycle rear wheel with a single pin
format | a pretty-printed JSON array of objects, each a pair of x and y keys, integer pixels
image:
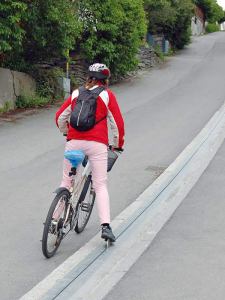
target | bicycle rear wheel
[
  {"x": 85, "y": 205},
  {"x": 53, "y": 226}
]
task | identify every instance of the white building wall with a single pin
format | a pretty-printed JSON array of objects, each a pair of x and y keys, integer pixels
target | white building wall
[{"x": 197, "y": 27}]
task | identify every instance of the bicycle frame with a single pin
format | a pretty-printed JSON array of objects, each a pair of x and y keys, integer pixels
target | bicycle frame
[{"x": 77, "y": 186}]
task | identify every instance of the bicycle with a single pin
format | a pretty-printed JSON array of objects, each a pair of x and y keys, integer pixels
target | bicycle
[{"x": 71, "y": 209}]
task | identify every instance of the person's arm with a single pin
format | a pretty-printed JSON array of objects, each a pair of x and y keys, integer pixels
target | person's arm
[
  {"x": 116, "y": 121},
  {"x": 62, "y": 117}
]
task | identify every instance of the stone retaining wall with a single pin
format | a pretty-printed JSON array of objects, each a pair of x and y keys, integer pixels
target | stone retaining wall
[
  {"x": 14, "y": 84},
  {"x": 146, "y": 57}
]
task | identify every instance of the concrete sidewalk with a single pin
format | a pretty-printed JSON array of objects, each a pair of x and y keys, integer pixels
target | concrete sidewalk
[{"x": 187, "y": 258}]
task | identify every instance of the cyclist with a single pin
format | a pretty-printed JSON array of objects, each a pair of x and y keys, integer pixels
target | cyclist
[{"x": 94, "y": 142}]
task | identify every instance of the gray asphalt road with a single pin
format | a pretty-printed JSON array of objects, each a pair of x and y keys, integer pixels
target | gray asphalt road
[
  {"x": 186, "y": 260},
  {"x": 164, "y": 110}
]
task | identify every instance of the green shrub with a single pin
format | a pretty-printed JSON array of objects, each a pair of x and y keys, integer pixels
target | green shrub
[
  {"x": 6, "y": 107},
  {"x": 47, "y": 82},
  {"x": 212, "y": 10},
  {"x": 112, "y": 32},
  {"x": 160, "y": 15},
  {"x": 212, "y": 27},
  {"x": 12, "y": 14},
  {"x": 159, "y": 52},
  {"x": 25, "y": 101},
  {"x": 35, "y": 31},
  {"x": 171, "y": 52},
  {"x": 180, "y": 33},
  {"x": 171, "y": 18}
]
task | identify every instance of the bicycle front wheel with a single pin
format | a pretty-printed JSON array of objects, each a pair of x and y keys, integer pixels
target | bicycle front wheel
[
  {"x": 85, "y": 205},
  {"x": 53, "y": 226}
]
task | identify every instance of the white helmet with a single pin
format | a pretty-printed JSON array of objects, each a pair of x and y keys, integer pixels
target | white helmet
[{"x": 99, "y": 71}]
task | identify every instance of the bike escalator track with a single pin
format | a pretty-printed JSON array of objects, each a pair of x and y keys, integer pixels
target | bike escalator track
[{"x": 94, "y": 269}]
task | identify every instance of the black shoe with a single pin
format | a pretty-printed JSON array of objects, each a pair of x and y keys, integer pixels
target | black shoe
[{"x": 107, "y": 234}]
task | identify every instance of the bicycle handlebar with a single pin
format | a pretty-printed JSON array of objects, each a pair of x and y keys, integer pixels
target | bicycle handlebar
[{"x": 115, "y": 149}]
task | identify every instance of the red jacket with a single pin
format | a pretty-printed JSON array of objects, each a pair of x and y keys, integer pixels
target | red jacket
[{"x": 106, "y": 105}]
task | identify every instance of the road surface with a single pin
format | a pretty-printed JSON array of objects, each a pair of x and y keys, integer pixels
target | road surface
[
  {"x": 186, "y": 260},
  {"x": 164, "y": 109}
]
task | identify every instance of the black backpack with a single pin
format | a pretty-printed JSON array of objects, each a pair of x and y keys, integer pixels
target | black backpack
[{"x": 83, "y": 116}]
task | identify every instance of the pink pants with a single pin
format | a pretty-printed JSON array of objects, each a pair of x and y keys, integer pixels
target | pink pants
[{"x": 97, "y": 154}]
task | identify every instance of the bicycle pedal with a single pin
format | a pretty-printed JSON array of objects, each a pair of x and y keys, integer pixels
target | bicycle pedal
[{"x": 85, "y": 207}]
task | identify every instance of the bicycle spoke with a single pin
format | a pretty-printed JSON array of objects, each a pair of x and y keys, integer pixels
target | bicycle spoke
[
  {"x": 85, "y": 205},
  {"x": 54, "y": 229}
]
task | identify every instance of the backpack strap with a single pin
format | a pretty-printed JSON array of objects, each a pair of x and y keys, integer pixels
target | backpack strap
[
  {"x": 81, "y": 90},
  {"x": 97, "y": 91}
]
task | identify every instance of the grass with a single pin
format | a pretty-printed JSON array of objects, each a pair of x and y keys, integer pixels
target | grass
[
  {"x": 6, "y": 107},
  {"x": 159, "y": 52},
  {"x": 31, "y": 101},
  {"x": 212, "y": 28}
]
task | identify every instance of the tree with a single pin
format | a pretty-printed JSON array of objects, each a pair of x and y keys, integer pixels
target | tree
[
  {"x": 180, "y": 33},
  {"x": 12, "y": 14},
  {"x": 222, "y": 19},
  {"x": 160, "y": 14},
  {"x": 217, "y": 13},
  {"x": 212, "y": 10},
  {"x": 112, "y": 32},
  {"x": 52, "y": 29},
  {"x": 37, "y": 30},
  {"x": 172, "y": 18}
]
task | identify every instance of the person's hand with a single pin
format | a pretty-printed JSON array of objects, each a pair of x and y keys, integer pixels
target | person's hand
[
  {"x": 113, "y": 148},
  {"x": 119, "y": 149}
]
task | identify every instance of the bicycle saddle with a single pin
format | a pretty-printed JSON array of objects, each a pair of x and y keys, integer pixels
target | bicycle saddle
[{"x": 75, "y": 157}]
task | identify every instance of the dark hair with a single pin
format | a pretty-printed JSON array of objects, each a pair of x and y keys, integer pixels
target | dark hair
[{"x": 103, "y": 81}]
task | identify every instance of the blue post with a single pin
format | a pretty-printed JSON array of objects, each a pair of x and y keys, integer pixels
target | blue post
[{"x": 150, "y": 39}]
